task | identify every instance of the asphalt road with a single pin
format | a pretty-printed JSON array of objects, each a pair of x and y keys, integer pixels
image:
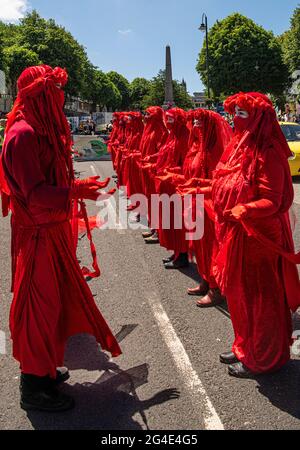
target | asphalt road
[{"x": 169, "y": 376}]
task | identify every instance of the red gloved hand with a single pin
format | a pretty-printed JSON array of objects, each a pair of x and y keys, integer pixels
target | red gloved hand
[
  {"x": 93, "y": 181},
  {"x": 106, "y": 195},
  {"x": 90, "y": 192},
  {"x": 204, "y": 190},
  {"x": 238, "y": 213},
  {"x": 86, "y": 192}
]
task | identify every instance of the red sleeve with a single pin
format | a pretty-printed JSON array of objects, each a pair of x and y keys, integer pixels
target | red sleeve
[
  {"x": 270, "y": 186},
  {"x": 23, "y": 152}
]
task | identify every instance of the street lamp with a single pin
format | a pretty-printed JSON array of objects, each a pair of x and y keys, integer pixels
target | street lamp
[{"x": 204, "y": 28}]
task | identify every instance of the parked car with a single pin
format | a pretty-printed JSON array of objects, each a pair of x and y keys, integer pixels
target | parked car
[{"x": 292, "y": 133}]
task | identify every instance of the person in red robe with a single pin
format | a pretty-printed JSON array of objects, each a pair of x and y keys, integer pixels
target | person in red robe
[
  {"x": 126, "y": 135},
  {"x": 130, "y": 173},
  {"x": 209, "y": 137},
  {"x": 252, "y": 193},
  {"x": 154, "y": 137},
  {"x": 113, "y": 138},
  {"x": 170, "y": 156},
  {"x": 52, "y": 300}
]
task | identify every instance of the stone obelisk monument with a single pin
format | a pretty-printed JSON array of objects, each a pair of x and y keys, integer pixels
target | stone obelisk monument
[{"x": 169, "y": 94}]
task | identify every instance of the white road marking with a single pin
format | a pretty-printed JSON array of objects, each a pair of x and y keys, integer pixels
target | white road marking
[{"x": 189, "y": 376}]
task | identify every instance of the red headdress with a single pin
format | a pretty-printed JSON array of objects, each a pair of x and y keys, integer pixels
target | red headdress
[
  {"x": 115, "y": 130},
  {"x": 261, "y": 131},
  {"x": 211, "y": 137},
  {"x": 154, "y": 131},
  {"x": 40, "y": 102},
  {"x": 174, "y": 151},
  {"x": 137, "y": 128},
  {"x": 180, "y": 118}
]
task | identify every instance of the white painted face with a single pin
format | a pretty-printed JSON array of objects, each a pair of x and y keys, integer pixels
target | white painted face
[
  {"x": 170, "y": 119},
  {"x": 197, "y": 123},
  {"x": 241, "y": 113}
]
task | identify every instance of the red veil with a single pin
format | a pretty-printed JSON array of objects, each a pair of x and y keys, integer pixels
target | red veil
[
  {"x": 155, "y": 132},
  {"x": 134, "y": 130},
  {"x": 130, "y": 175},
  {"x": 115, "y": 131},
  {"x": 173, "y": 153},
  {"x": 208, "y": 143}
]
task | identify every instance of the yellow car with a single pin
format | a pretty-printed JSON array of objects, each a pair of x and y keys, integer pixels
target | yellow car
[{"x": 292, "y": 134}]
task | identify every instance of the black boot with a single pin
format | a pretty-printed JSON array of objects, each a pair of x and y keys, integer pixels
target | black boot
[
  {"x": 228, "y": 358},
  {"x": 180, "y": 263},
  {"x": 62, "y": 375},
  {"x": 40, "y": 394},
  {"x": 238, "y": 370},
  {"x": 170, "y": 259},
  {"x": 153, "y": 239}
]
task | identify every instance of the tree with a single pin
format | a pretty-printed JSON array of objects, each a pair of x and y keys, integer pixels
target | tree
[
  {"x": 17, "y": 59},
  {"x": 102, "y": 91},
  {"x": 243, "y": 57},
  {"x": 123, "y": 86},
  {"x": 56, "y": 47},
  {"x": 156, "y": 96},
  {"x": 290, "y": 42},
  {"x": 139, "y": 89},
  {"x": 9, "y": 33},
  {"x": 2, "y": 60}
]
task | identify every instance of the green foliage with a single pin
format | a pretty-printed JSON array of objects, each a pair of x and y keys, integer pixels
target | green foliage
[
  {"x": 290, "y": 42},
  {"x": 56, "y": 47},
  {"x": 17, "y": 59},
  {"x": 123, "y": 86},
  {"x": 139, "y": 89},
  {"x": 156, "y": 96},
  {"x": 102, "y": 91},
  {"x": 242, "y": 57}
]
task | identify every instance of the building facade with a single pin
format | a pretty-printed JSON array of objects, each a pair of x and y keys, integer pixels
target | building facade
[{"x": 199, "y": 100}]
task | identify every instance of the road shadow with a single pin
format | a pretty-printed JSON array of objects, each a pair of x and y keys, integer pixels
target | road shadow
[
  {"x": 192, "y": 273},
  {"x": 83, "y": 351},
  {"x": 111, "y": 403},
  {"x": 282, "y": 388}
]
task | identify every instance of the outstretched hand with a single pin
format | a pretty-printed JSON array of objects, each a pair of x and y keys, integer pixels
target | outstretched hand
[
  {"x": 93, "y": 181},
  {"x": 90, "y": 189},
  {"x": 238, "y": 213}
]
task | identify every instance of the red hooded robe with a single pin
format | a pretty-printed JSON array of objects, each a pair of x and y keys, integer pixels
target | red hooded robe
[
  {"x": 52, "y": 301},
  {"x": 207, "y": 143},
  {"x": 256, "y": 264}
]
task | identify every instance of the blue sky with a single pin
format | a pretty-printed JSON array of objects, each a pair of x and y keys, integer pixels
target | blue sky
[{"x": 130, "y": 36}]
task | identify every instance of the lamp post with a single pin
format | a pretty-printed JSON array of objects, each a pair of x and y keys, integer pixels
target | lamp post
[{"x": 204, "y": 28}]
